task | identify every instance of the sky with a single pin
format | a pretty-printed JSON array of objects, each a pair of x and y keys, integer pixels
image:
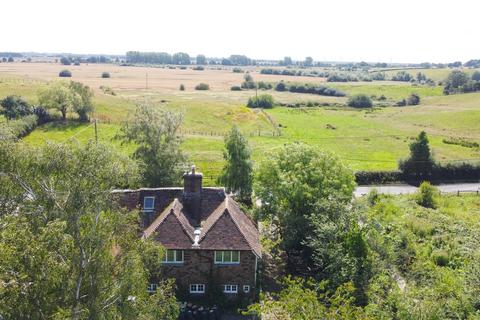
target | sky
[{"x": 409, "y": 31}]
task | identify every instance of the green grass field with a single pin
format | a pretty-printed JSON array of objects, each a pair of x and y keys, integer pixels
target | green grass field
[{"x": 363, "y": 139}]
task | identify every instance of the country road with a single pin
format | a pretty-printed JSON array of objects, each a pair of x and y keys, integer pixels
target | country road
[{"x": 405, "y": 188}]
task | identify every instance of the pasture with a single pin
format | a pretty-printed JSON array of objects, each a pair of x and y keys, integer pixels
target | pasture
[{"x": 364, "y": 139}]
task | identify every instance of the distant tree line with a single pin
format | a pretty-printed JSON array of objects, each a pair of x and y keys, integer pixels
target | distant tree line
[{"x": 181, "y": 58}]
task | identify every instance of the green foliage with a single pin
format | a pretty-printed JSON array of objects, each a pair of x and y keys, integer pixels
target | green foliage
[
  {"x": 299, "y": 300},
  {"x": 65, "y": 73},
  {"x": 60, "y": 243},
  {"x": 156, "y": 134},
  {"x": 18, "y": 128},
  {"x": 303, "y": 190},
  {"x": 264, "y": 101},
  {"x": 14, "y": 107},
  {"x": 360, "y": 101},
  {"x": 202, "y": 86},
  {"x": 476, "y": 76},
  {"x": 420, "y": 164},
  {"x": 402, "y": 76},
  {"x": 81, "y": 100},
  {"x": 455, "y": 82},
  {"x": 65, "y": 61},
  {"x": 426, "y": 195},
  {"x": 237, "y": 174}
]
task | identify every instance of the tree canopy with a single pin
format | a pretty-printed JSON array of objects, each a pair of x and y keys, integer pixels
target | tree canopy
[
  {"x": 155, "y": 131},
  {"x": 237, "y": 176}
]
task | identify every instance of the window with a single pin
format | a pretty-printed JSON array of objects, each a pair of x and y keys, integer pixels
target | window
[
  {"x": 173, "y": 256},
  {"x": 230, "y": 288},
  {"x": 148, "y": 203},
  {"x": 152, "y": 287},
  {"x": 227, "y": 257},
  {"x": 197, "y": 288},
  {"x": 246, "y": 289}
]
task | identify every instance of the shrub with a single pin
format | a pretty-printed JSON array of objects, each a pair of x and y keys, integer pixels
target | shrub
[
  {"x": 402, "y": 76},
  {"x": 360, "y": 101},
  {"x": 441, "y": 258},
  {"x": 426, "y": 195},
  {"x": 413, "y": 99},
  {"x": 373, "y": 197},
  {"x": 202, "y": 86},
  {"x": 13, "y": 107},
  {"x": 236, "y": 88},
  {"x": 182, "y": 87},
  {"x": 476, "y": 76},
  {"x": 65, "y": 74},
  {"x": 42, "y": 114},
  {"x": 378, "y": 177},
  {"x": 280, "y": 86},
  {"x": 105, "y": 75},
  {"x": 237, "y": 70},
  {"x": 401, "y": 103},
  {"x": 264, "y": 85},
  {"x": 198, "y": 68},
  {"x": 248, "y": 85},
  {"x": 108, "y": 90},
  {"x": 23, "y": 126},
  {"x": 262, "y": 101}
]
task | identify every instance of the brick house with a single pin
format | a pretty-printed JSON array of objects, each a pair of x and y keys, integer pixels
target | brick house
[{"x": 213, "y": 248}]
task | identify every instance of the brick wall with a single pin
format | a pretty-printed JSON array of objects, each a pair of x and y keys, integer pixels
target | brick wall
[{"x": 199, "y": 268}]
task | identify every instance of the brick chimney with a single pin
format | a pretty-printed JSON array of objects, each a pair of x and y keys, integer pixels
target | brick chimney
[{"x": 192, "y": 194}]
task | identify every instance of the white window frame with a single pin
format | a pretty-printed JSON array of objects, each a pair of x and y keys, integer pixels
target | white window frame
[
  {"x": 152, "y": 287},
  {"x": 178, "y": 257},
  {"x": 230, "y": 288},
  {"x": 221, "y": 253},
  {"x": 197, "y": 288},
  {"x": 246, "y": 288},
  {"x": 148, "y": 209}
]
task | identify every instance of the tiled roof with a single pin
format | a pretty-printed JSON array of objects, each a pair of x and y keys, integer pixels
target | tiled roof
[{"x": 223, "y": 225}]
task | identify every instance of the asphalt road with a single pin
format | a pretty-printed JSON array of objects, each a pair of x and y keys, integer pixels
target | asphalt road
[{"x": 405, "y": 189}]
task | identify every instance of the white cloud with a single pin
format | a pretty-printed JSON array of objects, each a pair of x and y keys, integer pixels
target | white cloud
[{"x": 370, "y": 30}]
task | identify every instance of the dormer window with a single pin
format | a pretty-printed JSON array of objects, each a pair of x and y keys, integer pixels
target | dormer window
[{"x": 148, "y": 204}]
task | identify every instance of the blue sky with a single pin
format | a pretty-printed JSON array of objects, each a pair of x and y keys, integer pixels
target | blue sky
[{"x": 340, "y": 30}]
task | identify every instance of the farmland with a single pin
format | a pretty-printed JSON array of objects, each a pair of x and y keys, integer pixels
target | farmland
[{"x": 364, "y": 139}]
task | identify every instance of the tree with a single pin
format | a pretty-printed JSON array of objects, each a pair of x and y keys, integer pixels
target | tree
[
  {"x": 156, "y": 134},
  {"x": 61, "y": 233},
  {"x": 181, "y": 58},
  {"x": 202, "y": 86},
  {"x": 237, "y": 174},
  {"x": 308, "y": 62},
  {"x": 455, "y": 81},
  {"x": 58, "y": 95},
  {"x": 287, "y": 61},
  {"x": 201, "y": 59},
  {"x": 14, "y": 107},
  {"x": 420, "y": 164},
  {"x": 476, "y": 76},
  {"x": 65, "y": 74},
  {"x": 65, "y": 61},
  {"x": 81, "y": 100},
  {"x": 298, "y": 184},
  {"x": 360, "y": 101}
]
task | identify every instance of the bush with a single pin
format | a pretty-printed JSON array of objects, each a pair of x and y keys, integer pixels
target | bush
[
  {"x": 378, "y": 177},
  {"x": 264, "y": 85},
  {"x": 262, "y": 101},
  {"x": 237, "y": 70},
  {"x": 441, "y": 258},
  {"x": 476, "y": 76},
  {"x": 108, "y": 90},
  {"x": 23, "y": 126},
  {"x": 248, "y": 85},
  {"x": 198, "y": 68},
  {"x": 13, "y": 107},
  {"x": 360, "y": 101},
  {"x": 236, "y": 88},
  {"x": 413, "y": 99},
  {"x": 426, "y": 195},
  {"x": 280, "y": 86},
  {"x": 65, "y": 74},
  {"x": 182, "y": 87},
  {"x": 42, "y": 115},
  {"x": 202, "y": 86},
  {"x": 105, "y": 75}
]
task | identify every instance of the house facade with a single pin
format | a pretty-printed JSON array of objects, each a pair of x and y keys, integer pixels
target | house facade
[{"x": 213, "y": 248}]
